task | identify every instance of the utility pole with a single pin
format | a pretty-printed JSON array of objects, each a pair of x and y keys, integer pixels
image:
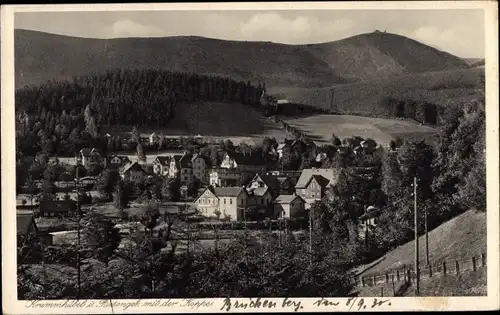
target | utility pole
[
  {"x": 426, "y": 238},
  {"x": 417, "y": 271},
  {"x": 310, "y": 237},
  {"x": 366, "y": 227},
  {"x": 78, "y": 232}
]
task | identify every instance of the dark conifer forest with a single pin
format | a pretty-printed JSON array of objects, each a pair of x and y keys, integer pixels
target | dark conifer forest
[{"x": 60, "y": 117}]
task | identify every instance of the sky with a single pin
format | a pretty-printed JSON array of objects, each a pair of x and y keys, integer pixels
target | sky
[{"x": 459, "y": 32}]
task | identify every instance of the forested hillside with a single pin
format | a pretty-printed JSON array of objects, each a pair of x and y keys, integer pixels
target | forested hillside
[
  {"x": 61, "y": 117},
  {"x": 42, "y": 56}
]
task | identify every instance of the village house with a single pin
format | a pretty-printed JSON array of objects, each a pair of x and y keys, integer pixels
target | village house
[
  {"x": 289, "y": 206},
  {"x": 90, "y": 156},
  {"x": 291, "y": 176},
  {"x": 26, "y": 227},
  {"x": 271, "y": 182},
  {"x": 186, "y": 167},
  {"x": 56, "y": 208},
  {"x": 241, "y": 162},
  {"x": 133, "y": 172},
  {"x": 368, "y": 221},
  {"x": 284, "y": 146},
  {"x": 226, "y": 201},
  {"x": 223, "y": 177},
  {"x": 313, "y": 183},
  {"x": 117, "y": 161},
  {"x": 174, "y": 169},
  {"x": 153, "y": 138},
  {"x": 161, "y": 165},
  {"x": 260, "y": 196},
  {"x": 199, "y": 165}
]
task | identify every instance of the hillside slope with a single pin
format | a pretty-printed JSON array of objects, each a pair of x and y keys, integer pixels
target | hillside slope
[
  {"x": 42, "y": 56},
  {"x": 365, "y": 97},
  {"x": 380, "y": 54},
  {"x": 460, "y": 238}
]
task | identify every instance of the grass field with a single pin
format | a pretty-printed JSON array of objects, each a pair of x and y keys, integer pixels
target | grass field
[
  {"x": 440, "y": 87},
  {"x": 321, "y": 127},
  {"x": 215, "y": 121},
  {"x": 458, "y": 239}
]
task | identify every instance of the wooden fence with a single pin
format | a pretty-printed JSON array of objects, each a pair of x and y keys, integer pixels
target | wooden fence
[{"x": 407, "y": 273}]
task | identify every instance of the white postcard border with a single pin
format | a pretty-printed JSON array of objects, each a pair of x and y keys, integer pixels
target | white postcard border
[{"x": 9, "y": 284}]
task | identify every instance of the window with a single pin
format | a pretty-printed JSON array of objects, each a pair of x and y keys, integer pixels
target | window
[
  {"x": 224, "y": 200},
  {"x": 231, "y": 201}
]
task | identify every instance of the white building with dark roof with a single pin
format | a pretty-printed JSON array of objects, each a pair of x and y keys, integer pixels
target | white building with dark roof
[{"x": 227, "y": 201}]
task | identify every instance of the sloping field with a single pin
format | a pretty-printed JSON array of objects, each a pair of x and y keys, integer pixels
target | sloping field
[
  {"x": 366, "y": 97},
  {"x": 468, "y": 283},
  {"x": 216, "y": 121},
  {"x": 458, "y": 239},
  {"x": 321, "y": 127}
]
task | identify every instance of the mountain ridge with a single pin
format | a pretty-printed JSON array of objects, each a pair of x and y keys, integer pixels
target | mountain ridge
[{"x": 42, "y": 56}]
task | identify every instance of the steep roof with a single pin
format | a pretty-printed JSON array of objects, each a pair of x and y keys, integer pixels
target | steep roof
[
  {"x": 23, "y": 223},
  {"x": 123, "y": 158},
  {"x": 227, "y": 191},
  {"x": 163, "y": 160},
  {"x": 329, "y": 174},
  {"x": 247, "y": 159},
  {"x": 285, "y": 199},
  {"x": 322, "y": 181},
  {"x": 271, "y": 181},
  {"x": 285, "y": 142},
  {"x": 132, "y": 166},
  {"x": 185, "y": 160},
  {"x": 260, "y": 191},
  {"x": 85, "y": 151},
  {"x": 197, "y": 155},
  {"x": 88, "y": 151}
]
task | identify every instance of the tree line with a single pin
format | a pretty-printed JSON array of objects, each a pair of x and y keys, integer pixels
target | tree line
[
  {"x": 450, "y": 180},
  {"x": 64, "y": 116}
]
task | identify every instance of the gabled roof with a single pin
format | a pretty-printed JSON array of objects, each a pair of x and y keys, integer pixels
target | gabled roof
[
  {"x": 286, "y": 199},
  {"x": 323, "y": 182},
  {"x": 88, "y": 151},
  {"x": 123, "y": 158},
  {"x": 203, "y": 191},
  {"x": 329, "y": 174},
  {"x": 23, "y": 223},
  {"x": 195, "y": 156},
  {"x": 285, "y": 142},
  {"x": 132, "y": 166},
  {"x": 270, "y": 181},
  {"x": 247, "y": 159},
  {"x": 163, "y": 160},
  {"x": 185, "y": 160},
  {"x": 282, "y": 179},
  {"x": 259, "y": 192},
  {"x": 228, "y": 191}
]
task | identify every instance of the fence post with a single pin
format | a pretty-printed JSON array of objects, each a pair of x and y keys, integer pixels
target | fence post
[
  {"x": 363, "y": 281},
  {"x": 483, "y": 260},
  {"x": 374, "y": 279},
  {"x": 473, "y": 263},
  {"x": 382, "y": 291},
  {"x": 444, "y": 268},
  {"x": 393, "y": 286},
  {"x": 409, "y": 275},
  {"x": 430, "y": 270},
  {"x": 386, "y": 277},
  {"x": 397, "y": 275},
  {"x": 404, "y": 273},
  {"x": 457, "y": 267}
]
